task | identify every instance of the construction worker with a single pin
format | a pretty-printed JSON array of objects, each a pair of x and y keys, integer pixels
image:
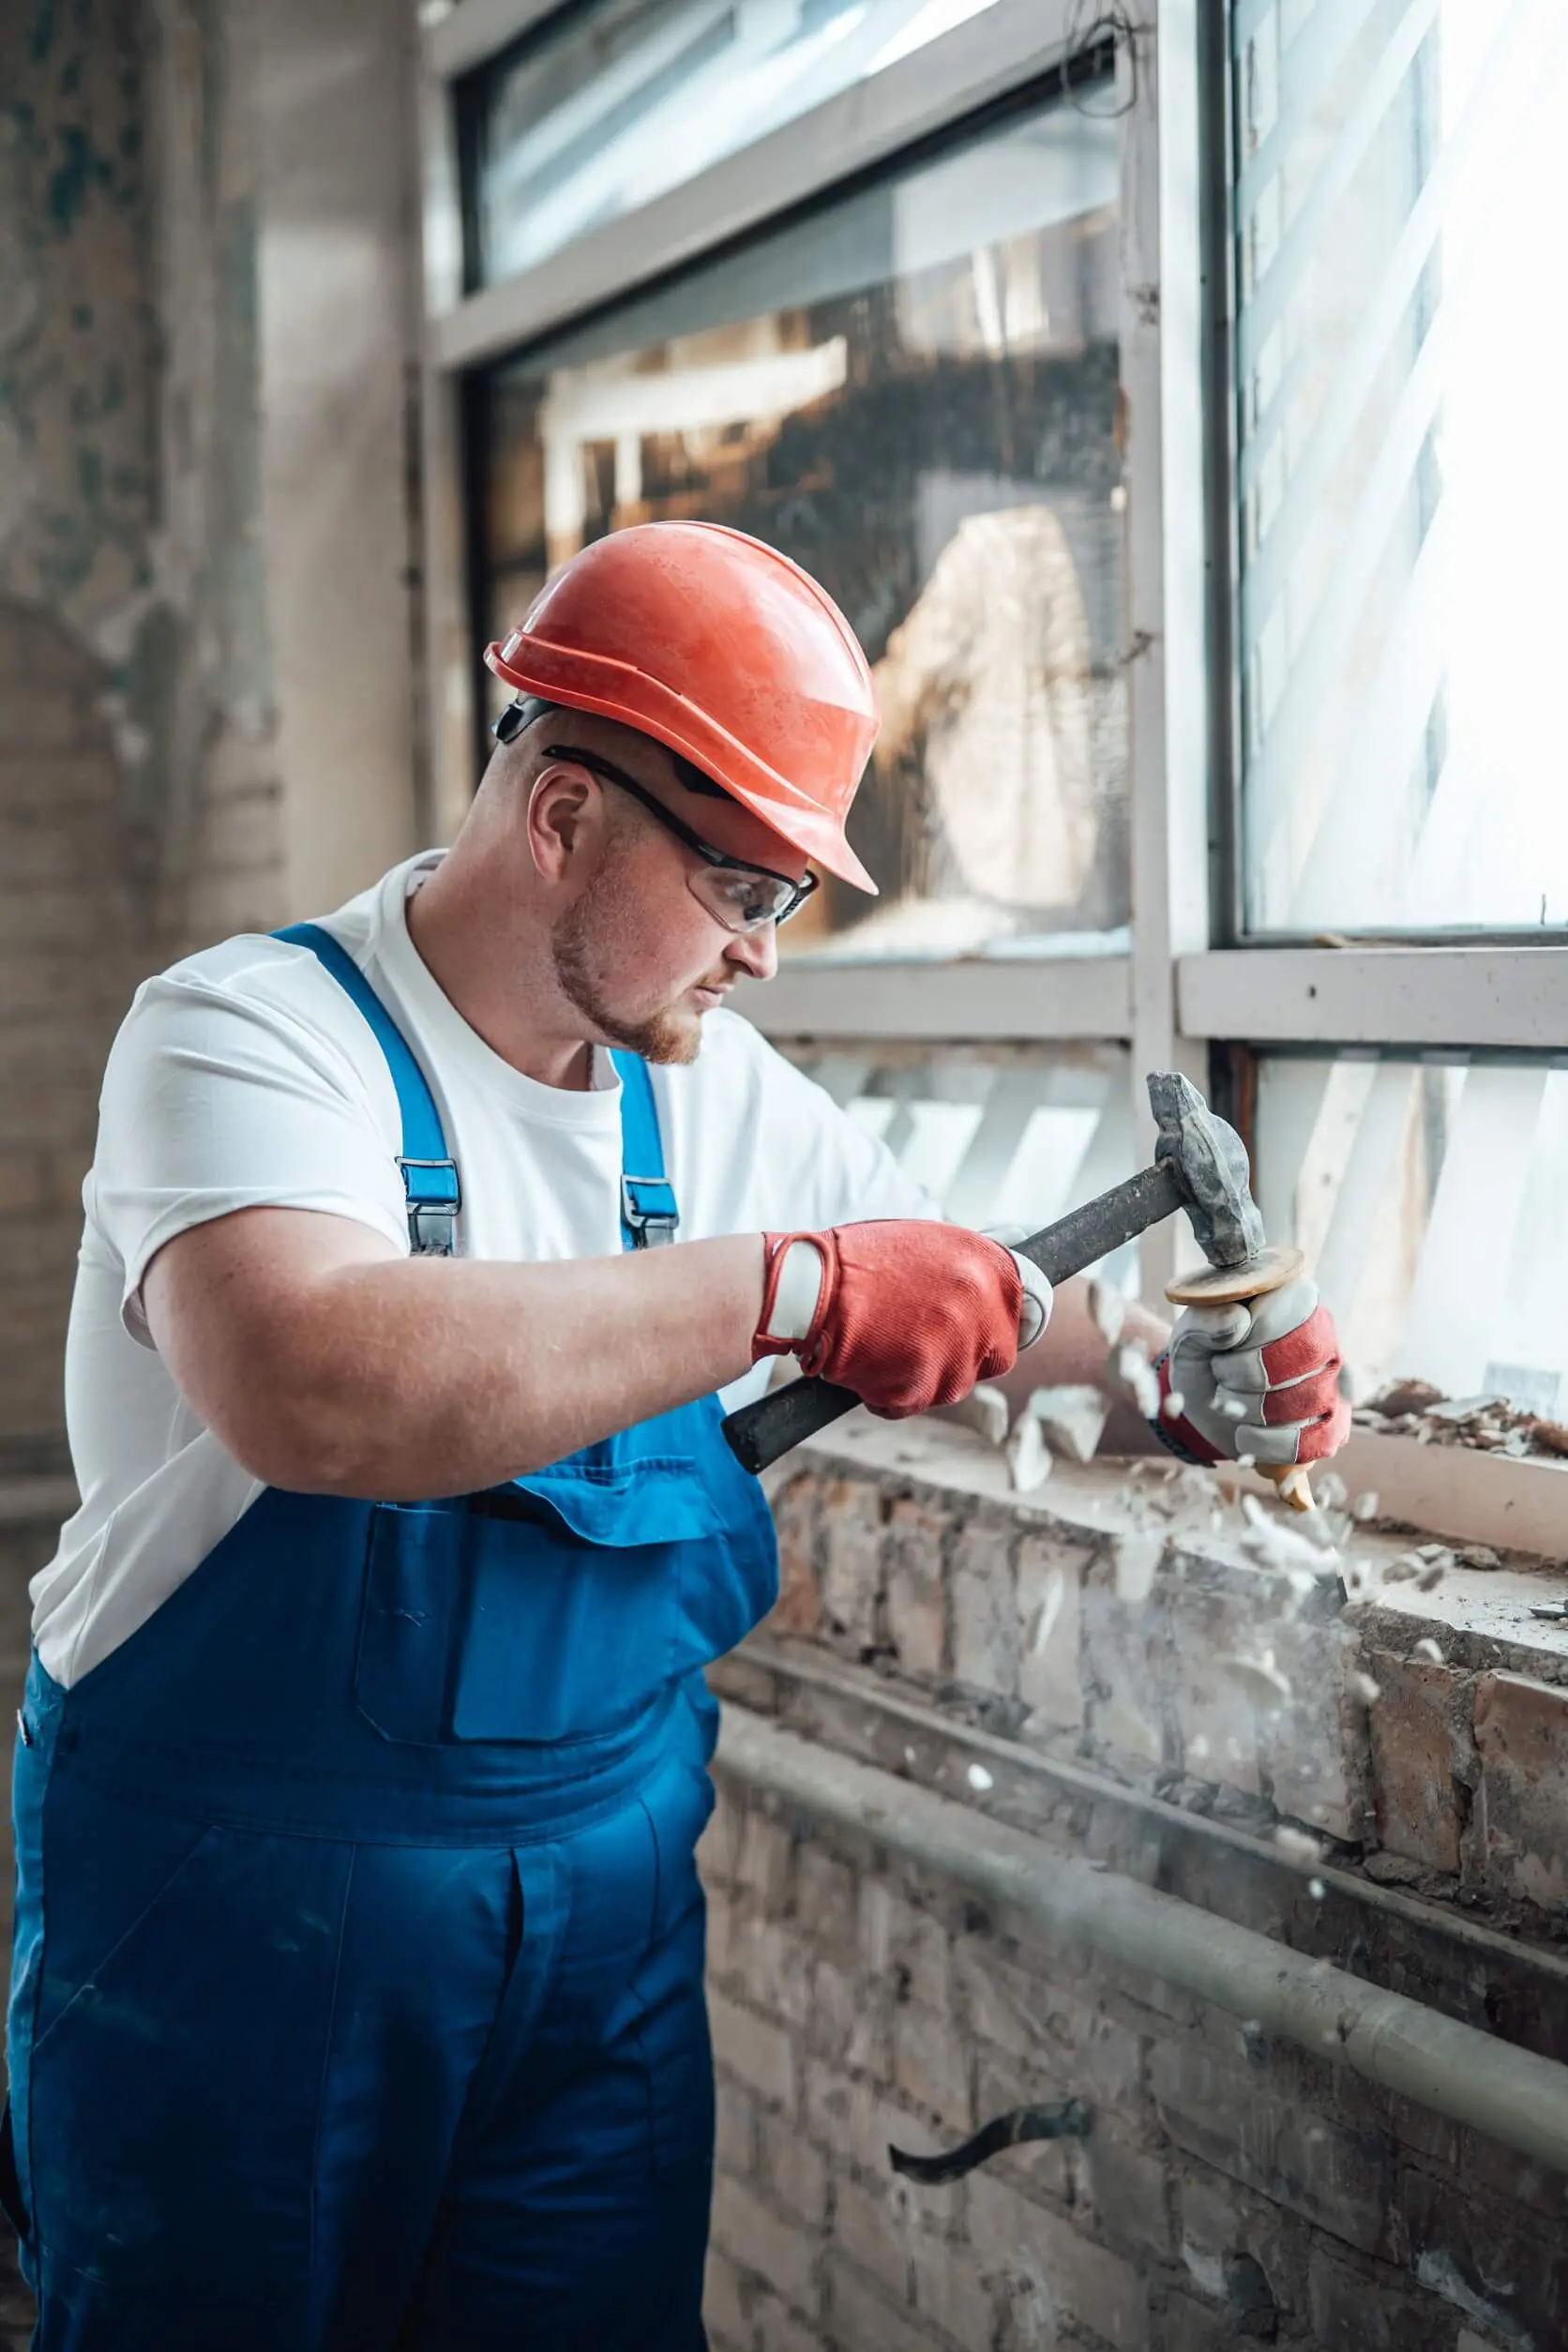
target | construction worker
[{"x": 357, "y": 1997}]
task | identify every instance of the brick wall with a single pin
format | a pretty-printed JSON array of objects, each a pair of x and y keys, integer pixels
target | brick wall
[{"x": 1233, "y": 2189}]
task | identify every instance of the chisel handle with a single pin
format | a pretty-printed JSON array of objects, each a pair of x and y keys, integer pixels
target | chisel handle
[{"x": 760, "y": 1433}]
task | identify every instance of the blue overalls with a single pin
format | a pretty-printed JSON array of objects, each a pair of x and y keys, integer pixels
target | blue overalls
[{"x": 356, "y": 1998}]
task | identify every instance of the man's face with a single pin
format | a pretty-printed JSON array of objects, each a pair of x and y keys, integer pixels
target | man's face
[{"x": 637, "y": 954}]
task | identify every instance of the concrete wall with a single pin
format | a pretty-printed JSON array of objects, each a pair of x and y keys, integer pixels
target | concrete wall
[{"x": 207, "y": 567}]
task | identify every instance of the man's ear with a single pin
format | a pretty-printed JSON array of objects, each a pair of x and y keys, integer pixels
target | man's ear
[{"x": 566, "y": 818}]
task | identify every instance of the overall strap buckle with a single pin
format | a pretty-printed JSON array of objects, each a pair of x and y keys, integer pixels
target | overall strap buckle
[
  {"x": 648, "y": 1210},
  {"x": 435, "y": 1194}
]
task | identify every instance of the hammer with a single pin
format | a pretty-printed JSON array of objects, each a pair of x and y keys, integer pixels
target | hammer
[{"x": 1199, "y": 1165}]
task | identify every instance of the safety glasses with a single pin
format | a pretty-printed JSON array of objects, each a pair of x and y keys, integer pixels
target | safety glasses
[{"x": 742, "y": 897}]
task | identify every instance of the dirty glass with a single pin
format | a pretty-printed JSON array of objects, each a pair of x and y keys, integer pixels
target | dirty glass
[
  {"x": 1001, "y": 1134},
  {"x": 1401, "y": 183},
  {"x": 615, "y": 101},
  {"x": 1428, "y": 1194},
  {"x": 914, "y": 393}
]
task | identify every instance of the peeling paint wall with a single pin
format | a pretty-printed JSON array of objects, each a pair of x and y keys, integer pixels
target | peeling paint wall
[
  {"x": 166, "y": 444},
  {"x": 129, "y": 397}
]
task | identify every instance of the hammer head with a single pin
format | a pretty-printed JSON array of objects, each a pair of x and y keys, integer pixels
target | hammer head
[{"x": 1207, "y": 1160}]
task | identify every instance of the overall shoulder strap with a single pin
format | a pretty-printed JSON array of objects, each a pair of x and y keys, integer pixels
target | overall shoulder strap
[
  {"x": 648, "y": 1212},
  {"x": 429, "y": 1172}
]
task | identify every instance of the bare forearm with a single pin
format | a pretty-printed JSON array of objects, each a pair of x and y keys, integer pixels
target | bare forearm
[{"x": 408, "y": 1378}]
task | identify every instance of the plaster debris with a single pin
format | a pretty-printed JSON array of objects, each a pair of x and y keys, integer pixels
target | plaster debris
[
  {"x": 1259, "y": 1678},
  {"x": 1029, "y": 1458},
  {"x": 1174, "y": 1406},
  {"x": 1108, "y": 1309},
  {"x": 1137, "y": 1375},
  {"x": 1052, "y": 1598},
  {"x": 1274, "y": 1543},
  {"x": 1477, "y": 1555},
  {"x": 1315, "y": 1889},
  {"x": 1197, "y": 1747},
  {"x": 1073, "y": 1418},
  {"x": 1365, "y": 1507},
  {"x": 1297, "y": 1845},
  {"x": 1491, "y": 1425},
  {"x": 986, "y": 1410},
  {"x": 1363, "y": 1687},
  {"x": 1431, "y": 1578},
  {"x": 1135, "y": 1562},
  {"x": 980, "y": 1779},
  {"x": 1426, "y": 1648}
]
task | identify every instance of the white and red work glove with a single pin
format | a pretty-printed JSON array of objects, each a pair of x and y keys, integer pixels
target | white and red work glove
[
  {"x": 1261, "y": 1379},
  {"x": 908, "y": 1314}
]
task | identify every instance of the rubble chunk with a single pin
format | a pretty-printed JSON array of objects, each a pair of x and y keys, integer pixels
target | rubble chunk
[{"x": 1074, "y": 1419}]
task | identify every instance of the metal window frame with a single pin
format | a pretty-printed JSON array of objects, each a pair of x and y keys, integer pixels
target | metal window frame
[{"x": 1191, "y": 980}]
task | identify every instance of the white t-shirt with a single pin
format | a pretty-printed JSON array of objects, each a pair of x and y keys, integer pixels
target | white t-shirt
[{"x": 246, "y": 1077}]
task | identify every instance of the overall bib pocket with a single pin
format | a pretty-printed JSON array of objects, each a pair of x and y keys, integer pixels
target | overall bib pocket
[{"x": 545, "y": 1611}]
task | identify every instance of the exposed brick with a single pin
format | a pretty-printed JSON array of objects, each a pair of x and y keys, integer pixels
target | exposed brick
[
  {"x": 1123, "y": 1655},
  {"x": 916, "y": 1587},
  {"x": 1051, "y": 1618},
  {"x": 1313, "y": 1748},
  {"x": 735, "y": 2141},
  {"x": 766, "y": 2244},
  {"x": 724, "y": 2301},
  {"x": 826, "y": 1900},
  {"x": 849, "y": 1550},
  {"x": 755, "y": 2049},
  {"x": 953, "y": 2290},
  {"x": 1186, "y": 2326},
  {"x": 1521, "y": 1735},
  {"x": 780, "y": 2330},
  {"x": 794, "y": 2172},
  {"x": 985, "y": 1606},
  {"x": 1235, "y": 2122},
  {"x": 898, "y": 1939},
  {"x": 1413, "y": 1766},
  {"x": 1506, "y": 2270},
  {"x": 1126, "y": 2186},
  {"x": 859, "y": 2122},
  {"x": 772, "y": 1963},
  {"x": 871, "y": 2226},
  {"x": 799, "y": 1607},
  {"x": 861, "y": 2317},
  {"x": 1075, "y": 2044},
  {"x": 931, "y": 2064},
  {"x": 851, "y": 2022},
  {"x": 1084, "y": 2281},
  {"x": 1368, "y": 2307},
  {"x": 767, "y": 1858}
]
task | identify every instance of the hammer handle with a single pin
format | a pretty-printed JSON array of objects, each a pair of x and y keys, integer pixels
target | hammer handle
[{"x": 759, "y": 1434}]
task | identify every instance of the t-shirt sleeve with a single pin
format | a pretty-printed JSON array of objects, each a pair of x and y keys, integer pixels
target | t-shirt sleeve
[
  {"x": 242, "y": 1086},
  {"x": 815, "y": 1165}
]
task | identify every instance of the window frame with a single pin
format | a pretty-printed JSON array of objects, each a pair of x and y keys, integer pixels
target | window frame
[{"x": 1192, "y": 988}]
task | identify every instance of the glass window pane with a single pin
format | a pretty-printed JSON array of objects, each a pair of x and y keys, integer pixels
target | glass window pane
[
  {"x": 1001, "y": 1135},
  {"x": 914, "y": 393},
  {"x": 1427, "y": 1194},
  {"x": 1401, "y": 179},
  {"x": 613, "y": 101}
]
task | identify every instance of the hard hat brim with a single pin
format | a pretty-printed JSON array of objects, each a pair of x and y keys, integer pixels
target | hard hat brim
[{"x": 614, "y": 690}]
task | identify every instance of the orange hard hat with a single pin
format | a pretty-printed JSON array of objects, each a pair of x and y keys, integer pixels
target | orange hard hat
[{"x": 729, "y": 654}]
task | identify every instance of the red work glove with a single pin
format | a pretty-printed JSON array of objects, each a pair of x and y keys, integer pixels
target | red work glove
[
  {"x": 1261, "y": 1377},
  {"x": 906, "y": 1313}
]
